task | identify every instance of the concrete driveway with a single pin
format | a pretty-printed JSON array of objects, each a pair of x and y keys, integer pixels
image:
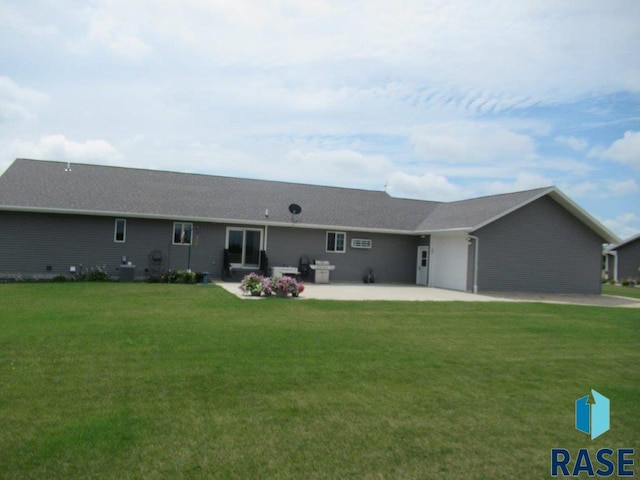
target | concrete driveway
[
  {"x": 414, "y": 293},
  {"x": 376, "y": 292}
]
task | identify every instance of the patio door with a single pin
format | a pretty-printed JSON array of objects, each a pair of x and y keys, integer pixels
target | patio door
[{"x": 422, "y": 271}]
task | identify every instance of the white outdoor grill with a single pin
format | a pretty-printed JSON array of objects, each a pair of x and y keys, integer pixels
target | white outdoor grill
[{"x": 322, "y": 269}]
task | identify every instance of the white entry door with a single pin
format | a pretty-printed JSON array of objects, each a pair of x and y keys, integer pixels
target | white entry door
[{"x": 422, "y": 272}]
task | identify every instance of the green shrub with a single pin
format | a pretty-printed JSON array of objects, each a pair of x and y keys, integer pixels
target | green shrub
[
  {"x": 95, "y": 274},
  {"x": 59, "y": 278},
  {"x": 170, "y": 276},
  {"x": 185, "y": 276},
  {"x": 179, "y": 276}
]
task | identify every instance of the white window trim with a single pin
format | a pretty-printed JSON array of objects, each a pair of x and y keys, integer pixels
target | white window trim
[
  {"x": 173, "y": 231},
  {"x": 124, "y": 230},
  {"x": 344, "y": 243},
  {"x": 244, "y": 238}
]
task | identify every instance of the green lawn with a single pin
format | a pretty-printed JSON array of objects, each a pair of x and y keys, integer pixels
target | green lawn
[
  {"x": 173, "y": 381},
  {"x": 621, "y": 291}
]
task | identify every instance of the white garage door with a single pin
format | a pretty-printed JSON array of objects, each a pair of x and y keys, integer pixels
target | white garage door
[{"x": 448, "y": 261}]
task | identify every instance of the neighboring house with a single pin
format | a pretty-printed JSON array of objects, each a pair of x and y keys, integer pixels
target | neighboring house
[
  {"x": 622, "y": 261},
  {"x": 56, "y": 216}
]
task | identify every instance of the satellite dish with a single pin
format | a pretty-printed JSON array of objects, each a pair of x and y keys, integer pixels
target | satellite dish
[{"x": 295, "y": 209}]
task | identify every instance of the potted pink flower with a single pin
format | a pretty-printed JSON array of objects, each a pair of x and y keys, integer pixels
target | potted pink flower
[
  {"x": 283, "y": 286},
  {"x": 299, "y": 288},
  {"x": 252, "y": 284},
  {"x": 267, "y": 286}
]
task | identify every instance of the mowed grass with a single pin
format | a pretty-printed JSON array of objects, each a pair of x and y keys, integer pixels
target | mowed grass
[
  {"x": 620, "y": 291},
  {"x": 166, "y": 381}
]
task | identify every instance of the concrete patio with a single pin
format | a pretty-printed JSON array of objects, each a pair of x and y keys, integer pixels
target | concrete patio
[{"x": 414, "y": 293}]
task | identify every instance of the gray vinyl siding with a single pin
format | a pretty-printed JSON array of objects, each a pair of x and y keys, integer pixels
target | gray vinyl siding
[
  {"x": 541, "y": 248},
  {"x": 392, "y": 257},
  {"x": 31, "y": 241},
  {"x": 629, "y": 260}
]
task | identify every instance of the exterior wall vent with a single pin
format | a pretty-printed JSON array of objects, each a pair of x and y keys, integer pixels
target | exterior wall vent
[{"x": 361, "y": 243}]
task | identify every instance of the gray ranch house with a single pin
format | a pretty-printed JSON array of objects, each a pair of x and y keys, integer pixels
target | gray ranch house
[
  {"x": 58, "y": 218},
  {"x": 622, "y": 260}
]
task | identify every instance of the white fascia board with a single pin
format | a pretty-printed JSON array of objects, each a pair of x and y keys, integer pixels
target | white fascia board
[
  {"x": 187, "y": 218},
  {"x": 443, "y": 230},
  {"x": 342, "y": 228},
  {"x": 103, "y": 213}
]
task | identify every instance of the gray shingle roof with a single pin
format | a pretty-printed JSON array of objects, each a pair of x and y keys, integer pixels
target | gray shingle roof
[{"x": 36, "y": 185}]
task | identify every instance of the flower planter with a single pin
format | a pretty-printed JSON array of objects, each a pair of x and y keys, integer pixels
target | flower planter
[{"x": 256, "y": 285}]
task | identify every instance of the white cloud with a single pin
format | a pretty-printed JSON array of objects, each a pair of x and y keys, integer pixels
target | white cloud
[
  {"x": 341, "y": 93},
  {"x": 13, "y": 19},
  {"x": 116, "y": 33},
  {"x": 625, "y": 225},
  {"x": 493, "y": 57},
  {"x": 601, "y": 190},
  {"x": 625, "y": 150},
  {"x": 18, "y": 102},
  {"x": 523, "y": 181},
  {"x": 624, "y": 187},
  {"x": 58, "y": 147},
  {"x": 343, "y": 167},
  {"x": 425, "y": 187},
  {"x": 471, "y": 142},
  {"x": 563, "y": 165},
  {"x": 583, "y": 189},
  {"x": 575, "y": 143}
]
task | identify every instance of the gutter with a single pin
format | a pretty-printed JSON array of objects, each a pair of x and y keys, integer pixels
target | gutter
[{"x": 187, "y": 218}]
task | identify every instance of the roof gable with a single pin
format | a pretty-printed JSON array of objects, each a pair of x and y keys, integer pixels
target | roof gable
[
  {"x": 624, "y": 243},
  {"x": 474, "y": 213}
]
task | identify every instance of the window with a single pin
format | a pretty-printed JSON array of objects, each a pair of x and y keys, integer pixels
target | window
[
  {"x": 120, "y": 230},
  {"x": 336, "y": 242},
  {"x": 244, "y": 247},
  {"x": 361, "y": 243},
  {"x": 182, "y": 233}
]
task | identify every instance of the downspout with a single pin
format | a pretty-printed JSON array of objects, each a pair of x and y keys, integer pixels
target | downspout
[
  {"x": 264, "y": 262},
  {"x": 266, "y": 235},
  {"x": 615, "y": 265},
  {"x": 476, "y": 245}
]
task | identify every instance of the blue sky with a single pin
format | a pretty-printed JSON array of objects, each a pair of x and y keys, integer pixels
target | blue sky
[{"x": 439, "y": 100}]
